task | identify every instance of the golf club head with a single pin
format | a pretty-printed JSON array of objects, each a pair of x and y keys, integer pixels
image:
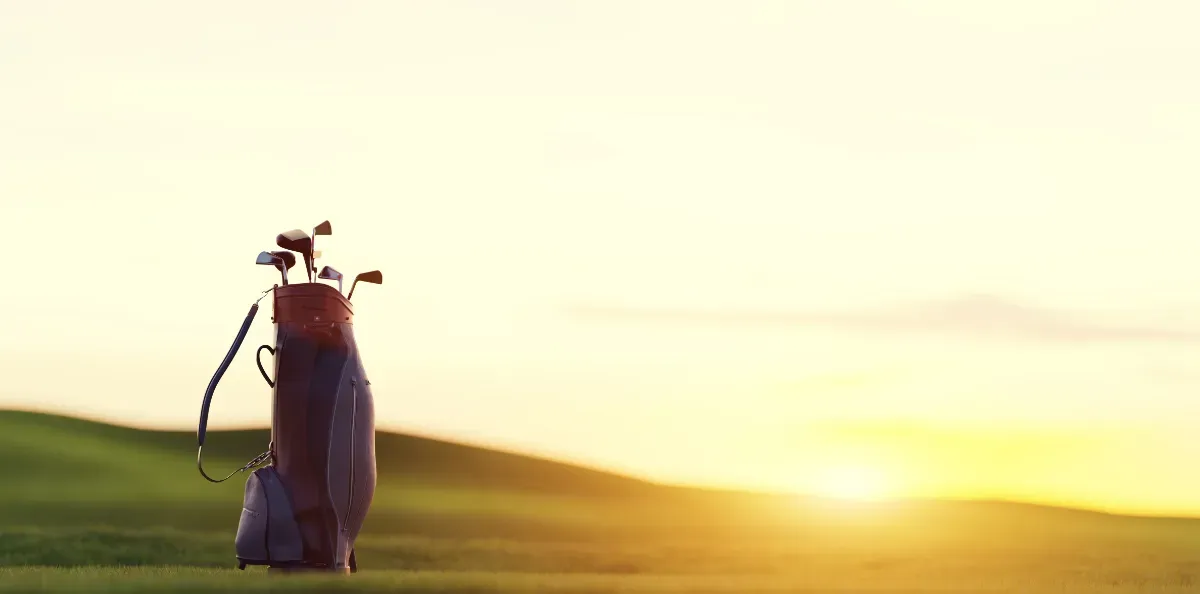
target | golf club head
[
  {"x": 323, "y": 229},
  {"x": 270, "y": 259},
  {"x": 328, "y": 273},
  {"x": 297, "y": 241},
  {"x": 374, "y": 277},
  {"x": 287, "y": 261},
  {"x": 287, "y": 258}
]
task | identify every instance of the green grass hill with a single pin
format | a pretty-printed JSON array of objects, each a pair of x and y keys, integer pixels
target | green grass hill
[{"x": 76, "y": 492}]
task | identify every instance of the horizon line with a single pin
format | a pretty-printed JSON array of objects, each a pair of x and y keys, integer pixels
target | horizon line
[{"x": 711, "y": 488}]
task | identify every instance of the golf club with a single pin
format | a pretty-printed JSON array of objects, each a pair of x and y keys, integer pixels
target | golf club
[
  {"x": 322, "y": 229},
  {"x": 289, "y": 260},
  {"x": 328, "y": 273},
  {"x": 269, "y": 259},
  {"x": 299, "y": 242},
  {"x": 374, "y": 277}
]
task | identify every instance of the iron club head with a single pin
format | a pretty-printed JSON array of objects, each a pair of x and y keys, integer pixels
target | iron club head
[
  {"x": 270, "y": 259},
  {"x": 299, "y": 242},
  {"x": 328, "y": 273},
  {"x": 374, "y": 277}
]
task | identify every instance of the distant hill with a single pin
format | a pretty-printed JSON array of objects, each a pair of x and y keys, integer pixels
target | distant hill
[
  {"x": 76, "y": 492},
  {"x": 43, "y": 440},
  {"x": 57, "y": 470},
  {"x": 398, "y": 455}
]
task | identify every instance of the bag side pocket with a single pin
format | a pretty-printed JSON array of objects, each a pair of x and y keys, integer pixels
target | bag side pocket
[{"x": 267, "y": 532}]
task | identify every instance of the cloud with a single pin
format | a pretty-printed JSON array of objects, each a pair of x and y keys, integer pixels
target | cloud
[{"x": 971, "y": 316}]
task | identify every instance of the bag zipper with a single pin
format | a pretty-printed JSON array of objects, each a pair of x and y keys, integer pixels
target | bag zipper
[{"x": 353, "y": 439}]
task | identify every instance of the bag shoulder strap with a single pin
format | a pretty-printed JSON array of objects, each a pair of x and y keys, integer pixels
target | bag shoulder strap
[{"x": 212, "y": 387}]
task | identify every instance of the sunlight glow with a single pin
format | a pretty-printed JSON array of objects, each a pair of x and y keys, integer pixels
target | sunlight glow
[{"x": 851, "y": 483}]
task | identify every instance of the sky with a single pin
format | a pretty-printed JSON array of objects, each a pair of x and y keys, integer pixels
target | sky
[{"x": 944, "y": 245}]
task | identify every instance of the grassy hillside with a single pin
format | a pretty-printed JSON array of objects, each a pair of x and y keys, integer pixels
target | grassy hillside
[
  {"x": 63, "y": 471},
  {"x": 74, "y": 492}
]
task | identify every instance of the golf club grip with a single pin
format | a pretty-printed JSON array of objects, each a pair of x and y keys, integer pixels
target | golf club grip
[{"x": 212, "y": 384}]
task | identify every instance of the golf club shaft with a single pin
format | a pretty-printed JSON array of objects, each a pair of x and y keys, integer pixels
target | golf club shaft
[{"x": 312, "y": 250}]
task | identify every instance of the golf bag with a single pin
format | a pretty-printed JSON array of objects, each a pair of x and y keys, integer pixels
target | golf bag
[{"x": 304, "y": 510}]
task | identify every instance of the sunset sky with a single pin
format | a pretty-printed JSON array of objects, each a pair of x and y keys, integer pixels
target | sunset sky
[{"x": 949, "y": 245}]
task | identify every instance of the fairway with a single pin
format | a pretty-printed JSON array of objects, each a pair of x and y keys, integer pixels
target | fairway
[
  {"x": 174, "y": 579},
  {"x": 88, "y": 506},
  {"x": 188, "y": 579}
]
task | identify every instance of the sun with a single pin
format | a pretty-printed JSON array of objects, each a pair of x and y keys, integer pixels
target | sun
[{"x": 851, "y": 483}]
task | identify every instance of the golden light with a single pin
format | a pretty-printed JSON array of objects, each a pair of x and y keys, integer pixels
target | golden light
[{"x": 851, "y": 483}]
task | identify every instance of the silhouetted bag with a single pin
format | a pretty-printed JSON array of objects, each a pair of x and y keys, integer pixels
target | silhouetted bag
[
  {"x": 323, "y": 427},
  {"x": 322, "y": 450}
]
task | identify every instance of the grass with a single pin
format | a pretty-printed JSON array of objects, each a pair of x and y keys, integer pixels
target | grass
[
  {"x": 87, "y": 506},
  {"x": 196, "y": 580},
  {"x": 866, "y": 581}
]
